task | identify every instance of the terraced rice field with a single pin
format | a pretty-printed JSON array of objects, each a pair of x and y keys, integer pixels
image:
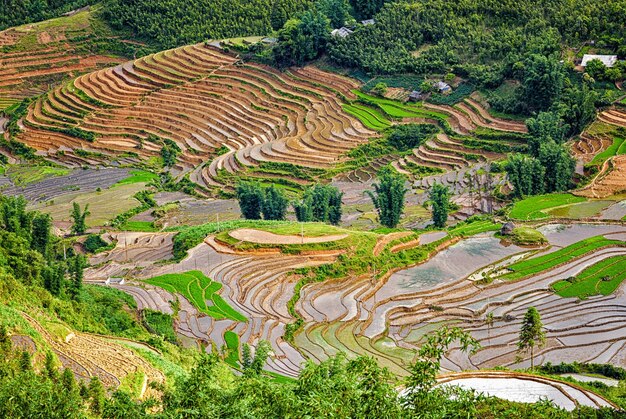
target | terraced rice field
[
  {"x": 199, "y": 290},
  {"x": 610, "y": 181},
  {"x": 525, "y": 388},
  {"x": 602, "y": 278},
  {"x": 93, "y": 356},
  {"x": 614, "y": 116},
  {"x": 445, "y": 152},
  {"x": 536, "y": 265},
  {"x": 203, "y": 100},
  {"x": 104, "y": 205},
  {"x": 84, "y": 180},
  {"x": 42, "y": 54},
  {"x": 388, "y": 317},
  {"x": 536, "y": 207}
]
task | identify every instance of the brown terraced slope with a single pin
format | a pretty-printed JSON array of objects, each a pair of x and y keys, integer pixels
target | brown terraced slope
[{"x": 203, "y": 100}]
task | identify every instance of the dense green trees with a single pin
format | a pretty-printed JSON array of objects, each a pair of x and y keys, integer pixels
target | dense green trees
[
  {"x": 559, "y": 166},
  {"x": 365, "y": 9},
  {"x": 388, "y": 196},
  {"x": 274, "y": 204},
  {"x": 255, "y": 200},
  {"x": 337, "y": 11},
  {"x": 302, "y": 39},
  {"x": 545, "y": 127},
  {"x": 169, "y": 152},
  {"x": 409, "y": 136},
  {"x": 173, "y": 22},
  {"x": 79, "y": 225},
  {"x": 17, "y": 12},
  {"x": 250, "y": 197},
  {"x": 531, "y": 334},
  {"x": 440, "y": 203},
  {"x": 526, "y": 175},
  {"x": 542, "y": 82},
  {"x": 320, "y": 203}
]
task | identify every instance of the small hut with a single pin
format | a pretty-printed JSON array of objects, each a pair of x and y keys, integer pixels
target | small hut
[{"x": 507, "y": 229}]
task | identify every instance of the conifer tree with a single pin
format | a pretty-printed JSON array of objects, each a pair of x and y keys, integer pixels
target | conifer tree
[{"x": 531, "y": 334}]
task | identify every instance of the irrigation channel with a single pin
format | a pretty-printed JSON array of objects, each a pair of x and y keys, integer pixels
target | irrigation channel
[{"x": 388, "y": 318}]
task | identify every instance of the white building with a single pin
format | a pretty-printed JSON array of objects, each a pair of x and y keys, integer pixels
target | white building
[
  {"x": 341, "y": 32},
  {"x": 607, "y": 60}
]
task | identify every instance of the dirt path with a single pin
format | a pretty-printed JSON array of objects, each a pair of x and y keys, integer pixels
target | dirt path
[
  {"x": 264, "y": 237},
  {"x": 610, "y": 181},
  {"x": 385, "y": 240}
]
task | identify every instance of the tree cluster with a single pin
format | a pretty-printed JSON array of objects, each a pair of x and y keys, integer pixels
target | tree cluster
[
  {"x": 409, "y": 136},
  {"x": 320, "y": 203},
  {"x": 18, "y": 12},
  {"x": 256, "y": 201},
  {"x": 388, "y": 197},
  {"x": 173, "y": 23}
]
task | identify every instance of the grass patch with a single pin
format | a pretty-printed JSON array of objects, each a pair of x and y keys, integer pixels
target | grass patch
[
  {"x": 22, "y": 175},
  {"x": 369, "y": 117},
  {"x": 471, "y": 227},
  {"x": 603, "y": 278},
  {"x": 232, "y": 347},
  {"x": 191, "y": 236},
  {"x": 199, "y": 290},
  {"x": 526, "y": 236},
  {"x": 534, "y": 207},
  {"x": 543, "y": 263},
  {"x": 160, "y": 324},
  {"x": 616, "y": 148},
  {"x": 581, "y": 209},
  {"x": 140, "y": 226},
  {"x": 138, "y": 176}
]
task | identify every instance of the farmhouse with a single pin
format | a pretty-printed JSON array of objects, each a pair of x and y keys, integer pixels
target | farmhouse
[
  {"x": 443, "y": 87},
  {"x": 416, "y": 96},
  {"x": 341, "y": 32},
  {"x": 607, "y": 60}
]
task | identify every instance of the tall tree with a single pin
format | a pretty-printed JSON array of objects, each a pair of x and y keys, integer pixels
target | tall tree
[
  {"x": 542, "y": 82},
  {"x": 77, "y": 265},
  {"x": 337, "y": 11},
  {"x": 303, "y": 39},
  {"x": 41, "y": 233},
  {"x": 320, "y": 203},
  {"x": 526, "y": 174},
  {"x": 559, "y": 166},
  {"x": 531, "y": 334},
  {"x": 440, "y": 203},
  {"x": 388, "y": 196},
  {"x": 250, "y": 197},
  {"x": 545, "y": 127},
  {"x": 79, "y": 226},
  {"x": 274, "y": 204}
]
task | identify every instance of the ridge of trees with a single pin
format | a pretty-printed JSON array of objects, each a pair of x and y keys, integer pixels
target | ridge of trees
[{"x": 18, "y": 12}]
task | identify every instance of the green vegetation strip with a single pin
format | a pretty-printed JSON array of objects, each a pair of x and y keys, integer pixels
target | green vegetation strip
[
  {"x": 369, "y": 117},
  {"x": 616, "y": 148},
  {"x": 533, "y": 208},
  {"x": 601, "y": 278},
  {"x": 198, "y": 289},
  {"x": 138, "y": 176},
  {"x": 543, "y": 263}
]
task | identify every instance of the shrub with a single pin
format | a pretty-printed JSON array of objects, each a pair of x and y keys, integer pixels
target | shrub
[
  {"x": 93, "y": 243},
  {"x": 406, "y": 137}
]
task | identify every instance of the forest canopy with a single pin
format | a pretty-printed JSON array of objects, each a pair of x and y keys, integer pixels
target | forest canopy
[
  {"x": 18, "y": 12},
  {"x": 172, "y": 23}
]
